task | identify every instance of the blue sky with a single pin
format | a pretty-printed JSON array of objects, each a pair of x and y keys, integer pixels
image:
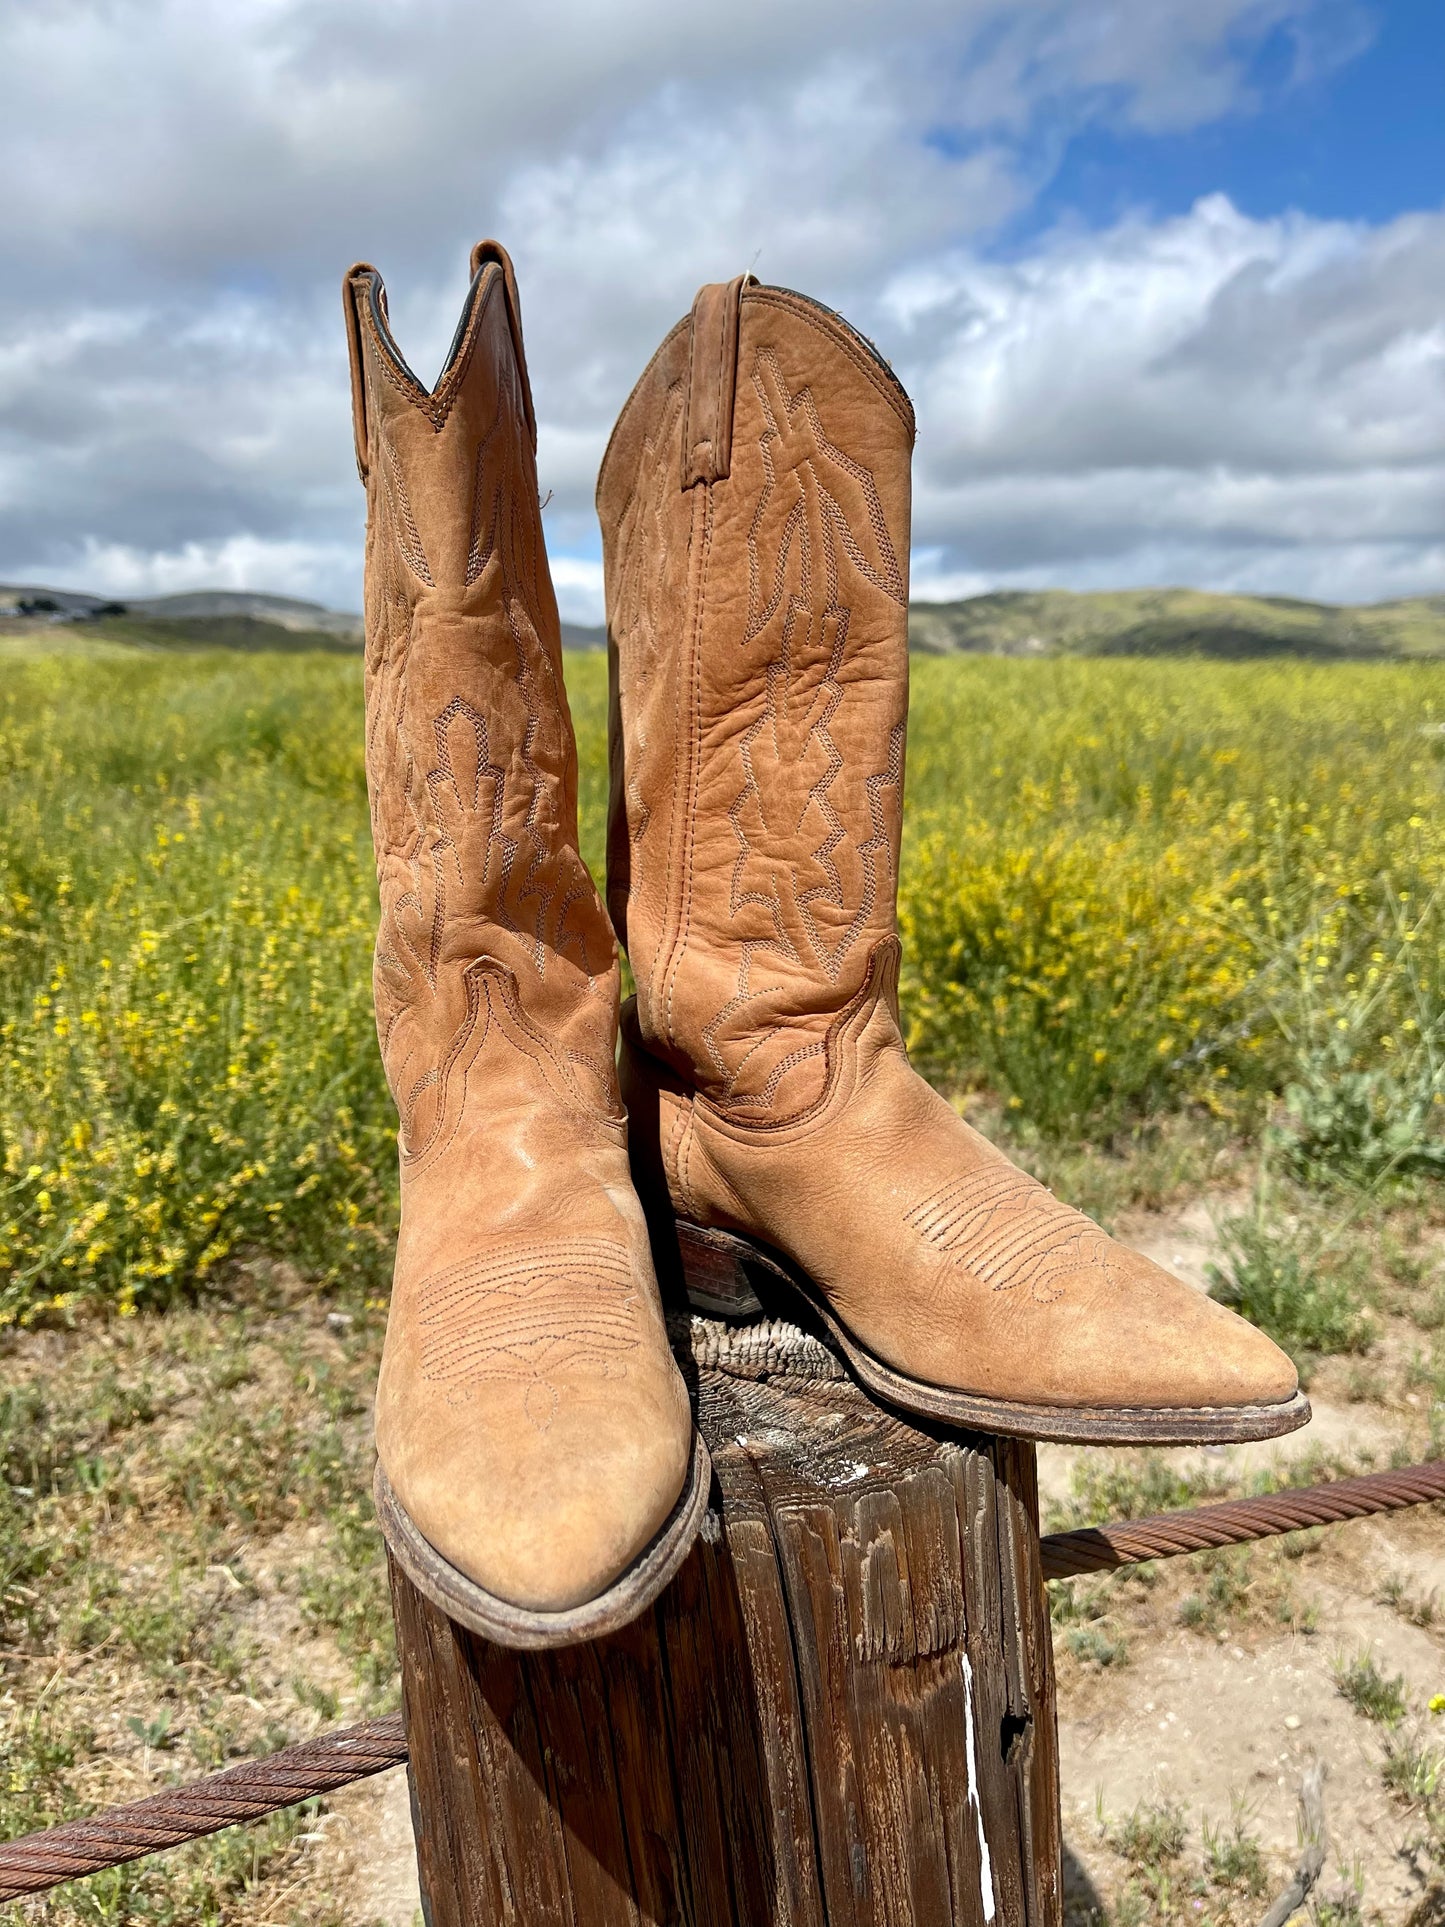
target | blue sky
[
  {"x": 1164, "y": 281},
  {"x": 1350, "y": 129}
]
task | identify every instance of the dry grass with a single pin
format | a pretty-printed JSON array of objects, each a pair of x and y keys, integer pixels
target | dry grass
[{"x": 190, "y": 1575}]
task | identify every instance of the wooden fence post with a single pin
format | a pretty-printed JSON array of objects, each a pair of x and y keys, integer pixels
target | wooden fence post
[{"x": 841, "y": 1713}]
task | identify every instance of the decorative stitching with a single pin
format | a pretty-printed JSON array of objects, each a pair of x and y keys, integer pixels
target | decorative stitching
[
  {"x": 436, "y": 404},
  {"x": 842, "y": 336},
  {"x": 694, "y": 762},
  {"x": 815, "y": 532},
  {"x": 643, "y": 541},
  {"x": 529, "y": 1313},
  {"x": 439, "y": 797},
  {"x": 1010, "y": 1232},
  {"x": 404, "y": 529}
]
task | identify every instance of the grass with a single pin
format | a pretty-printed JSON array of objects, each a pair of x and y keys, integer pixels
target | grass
[
  {"x": 1307, "y": 1296},
  {"x": 1233, "y": 1858},
  {"x": 1083, "y": 1611},
  {"x": 1377, "y": 1696},
  {"x": 1131, "y": 886},
  {"x": 1130, "y": 891},
  {"x": 1162, "y": 920},
  {"x": 189, "y": 1573},
  {"x": 1415, "y": 1608}
]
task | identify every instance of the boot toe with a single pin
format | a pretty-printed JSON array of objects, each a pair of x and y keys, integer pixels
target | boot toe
[
  {"x": 547, "y": 1518},
  {"x": 1171, "y": 1346}
]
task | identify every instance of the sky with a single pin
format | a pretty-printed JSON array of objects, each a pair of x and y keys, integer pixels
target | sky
[{"x": 1166, "y": 282}]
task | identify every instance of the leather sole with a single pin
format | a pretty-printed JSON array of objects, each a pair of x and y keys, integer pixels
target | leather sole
[
  {"x": 721, "y": 1273},
  {"x": 472, "y": 1606}
]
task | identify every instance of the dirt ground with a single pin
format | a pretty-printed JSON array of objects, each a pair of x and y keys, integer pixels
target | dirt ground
[
  {"x": 1219, "y": 1718},
  {"x": 1193, "y": 1694}
]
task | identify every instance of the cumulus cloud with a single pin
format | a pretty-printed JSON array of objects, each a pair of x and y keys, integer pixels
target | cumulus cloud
[
  {"x": 1252, "y": 404},
  {"x": 1206, "y": 398}
]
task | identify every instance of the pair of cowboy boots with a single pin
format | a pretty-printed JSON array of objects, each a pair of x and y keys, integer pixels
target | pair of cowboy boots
[{"x": 539, "y": 1473}]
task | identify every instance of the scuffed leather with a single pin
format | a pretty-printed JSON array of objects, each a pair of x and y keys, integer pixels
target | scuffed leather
[
  {"x": 529, "y": 1415},
  {"x": 758, "y": 635}
]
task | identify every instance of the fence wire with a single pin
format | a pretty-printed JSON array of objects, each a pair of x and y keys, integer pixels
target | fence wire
[{"x": 38, "y": 1861}]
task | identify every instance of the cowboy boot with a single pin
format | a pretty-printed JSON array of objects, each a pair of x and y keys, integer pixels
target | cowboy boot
[
  {"x": 538, "y": 1476},
  {"x": 754, "y": 502}
]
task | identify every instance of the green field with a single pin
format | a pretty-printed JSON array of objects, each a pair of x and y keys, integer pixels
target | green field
[{"x": 1132, "y": 890}]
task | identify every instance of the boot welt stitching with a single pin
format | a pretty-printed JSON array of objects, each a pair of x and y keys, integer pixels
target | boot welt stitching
[{"x": 694, "y": 754}]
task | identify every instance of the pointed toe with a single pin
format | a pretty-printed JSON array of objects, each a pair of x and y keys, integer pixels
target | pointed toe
[{"x": 567, "y": 1520}]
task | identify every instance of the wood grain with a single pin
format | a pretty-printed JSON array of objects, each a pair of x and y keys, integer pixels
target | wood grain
[{"x": 840, "y": 1713}]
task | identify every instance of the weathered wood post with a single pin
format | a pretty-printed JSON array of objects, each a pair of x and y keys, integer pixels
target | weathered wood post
[{"x": 842, "y": 1710}]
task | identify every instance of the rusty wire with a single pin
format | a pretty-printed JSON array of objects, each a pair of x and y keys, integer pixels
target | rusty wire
[
  {"x": 1235, "y": 1522},
  {"x": 258, "y": 1787},
  {"x": 247, "y": 1792}
]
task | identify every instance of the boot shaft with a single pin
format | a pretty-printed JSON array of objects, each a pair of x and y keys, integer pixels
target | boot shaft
[
  {"x": 490, "y": 923},
  {"x": 754, "y": 503}
]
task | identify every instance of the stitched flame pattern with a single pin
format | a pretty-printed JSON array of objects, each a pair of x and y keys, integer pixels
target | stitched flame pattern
[
  {"x": 478, "y": 883},
  {"x": 1013, "y": 1234},
  {"x": 818, "y": 533}
]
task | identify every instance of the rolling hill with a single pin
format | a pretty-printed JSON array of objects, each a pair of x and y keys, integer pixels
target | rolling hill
[
  {"x": 203, "y": 619},
  {"x": 1175, "y": 622},
  {"x": 1047, "y": 622}
]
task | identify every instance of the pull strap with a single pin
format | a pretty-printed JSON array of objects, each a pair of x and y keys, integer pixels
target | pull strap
[
  {"x": 486, "y": 251},
  {"x": 707, "y": 427},
  {"x": 355, "y": 280}
]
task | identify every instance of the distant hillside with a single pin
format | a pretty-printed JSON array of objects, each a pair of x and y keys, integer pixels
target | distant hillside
[
  {"x": 1048, "y": 622},
  {"x": 1175, "y": 622},
  {"x": 284, "y": 612},
  {"x": 203, "y": 619},
  {"x": 577, "y": 635}
]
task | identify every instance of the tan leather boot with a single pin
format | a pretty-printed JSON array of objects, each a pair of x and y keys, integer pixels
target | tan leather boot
[
  {"x": 754, "y": 504},
  {"x": 538, "y": 1473}
]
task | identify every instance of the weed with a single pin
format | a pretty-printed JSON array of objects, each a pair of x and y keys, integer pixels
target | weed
[
  {"x": 155, "y": 1733},
  {"x": 1378, "y": 1696},
  {"x": 350, "y": 1601},
  {"x": 1152, "y": 1840},
  {"x": 1233, "y": 1857},
  {"x": 1131, "y": 1486},
  {"x": 1363, "y": 1106},
  {"x": 1307, "y": 1304},
  {"x": 320, "y": 1699},
  {"x": 1420, "y": 1609},
  {"x": 1341, "y": 1909},
  {"x": 1132, "y": 1908},
  {"x": 1121, "y": 894},
  {"x": 1152, "y": 1835},
  {"x": 1096, "y": 1646},
  {"x": 1225, "y": 1594},
  {"x": 1413, "y": 1772},
  {"x": 116, "y": 1551}
]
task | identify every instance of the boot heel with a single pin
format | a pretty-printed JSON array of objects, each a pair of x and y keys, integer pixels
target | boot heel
[{"x": 715, "y": 1271}]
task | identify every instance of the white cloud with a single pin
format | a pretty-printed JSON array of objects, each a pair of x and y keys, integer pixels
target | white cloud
[
  {"x": 578, "y": 582},
  {"x": 1235, "y": 402},
  {"x": 312, "y": 570},
  {"x": 1211, "y": 396}
]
